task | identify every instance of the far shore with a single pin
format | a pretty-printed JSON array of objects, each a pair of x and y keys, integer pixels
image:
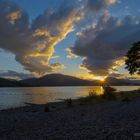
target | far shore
[
  {"x": 84, "y": 119},
  {"x": 63, "y": 86}
]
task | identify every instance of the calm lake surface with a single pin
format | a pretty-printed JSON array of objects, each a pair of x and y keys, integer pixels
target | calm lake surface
[{"x": 16, "y": 97}]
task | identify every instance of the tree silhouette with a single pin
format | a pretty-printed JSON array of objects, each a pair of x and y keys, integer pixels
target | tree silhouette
[{"x": 133, "y": 59}]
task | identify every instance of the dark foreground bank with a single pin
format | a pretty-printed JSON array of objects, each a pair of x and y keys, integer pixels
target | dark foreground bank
[{"x": 107, "y": 120}]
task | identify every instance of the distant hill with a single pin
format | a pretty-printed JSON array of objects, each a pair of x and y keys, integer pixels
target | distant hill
[
  {"x": 121, "y": 82},
  {"x": 58, "y": 80},
  {"x": 63, "y": 80},
  {"x": 10, "y": 83}
]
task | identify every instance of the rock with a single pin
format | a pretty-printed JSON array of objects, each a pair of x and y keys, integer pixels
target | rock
[{"x": 47, "y": 109}]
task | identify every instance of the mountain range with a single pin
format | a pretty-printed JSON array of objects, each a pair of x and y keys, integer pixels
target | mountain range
[{"x": 63, "y": 80}]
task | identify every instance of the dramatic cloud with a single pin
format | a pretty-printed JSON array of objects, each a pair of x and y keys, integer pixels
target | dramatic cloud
[
  {"x": 70, "y": 54},
  {"x": 98, "y": 5},
  {"x": 33, "y": 44},
  {"x": 104, "y": 45},
  {"x": 14, "y": 75}
]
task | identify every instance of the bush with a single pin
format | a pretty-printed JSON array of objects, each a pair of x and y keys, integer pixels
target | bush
[
  {"x": 109, "y": 93},
  {"x": 68, "y": 103},
  {"x": 92, "y": 97},
  {"x": 92, "y": 94},
  {"x": 126, "y": 99},
  {"x": 46, "y": 109}
]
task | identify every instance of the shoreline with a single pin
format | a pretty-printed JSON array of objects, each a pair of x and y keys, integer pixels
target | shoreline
[
  {"x": 135, "y": 85},
  {"x": 59, "y": 121}
]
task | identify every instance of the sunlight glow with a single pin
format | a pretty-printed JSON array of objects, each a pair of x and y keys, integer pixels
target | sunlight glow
[
  {"x": 87, "y": 76},
  {"x": 100, "y": 78}
]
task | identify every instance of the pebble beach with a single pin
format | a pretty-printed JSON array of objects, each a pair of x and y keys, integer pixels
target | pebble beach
[{"x": 113, "y": 120}]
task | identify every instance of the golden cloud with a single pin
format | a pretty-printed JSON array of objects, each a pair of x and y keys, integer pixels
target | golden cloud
[{"x": 14, "y": 16}]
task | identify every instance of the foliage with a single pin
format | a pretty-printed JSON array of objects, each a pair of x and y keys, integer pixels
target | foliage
[
  {"x": 133, "y": 59},
  {"x": 126, "y": 99},
  {"x": 47, "y": 109},
  {"x": 68, "y": 103},
  {"x": 92, "y": 94},
  {"x": 109, "y": 93},
  {"x": 91, "y": 98}
]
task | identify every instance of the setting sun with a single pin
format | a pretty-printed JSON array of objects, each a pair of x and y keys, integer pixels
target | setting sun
[
  {"x": 100, "y": 78},
  {"x": 69, "y": 69}
]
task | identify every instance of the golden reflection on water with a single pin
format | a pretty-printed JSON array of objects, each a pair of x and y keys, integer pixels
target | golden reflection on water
[
  {"x": 41, "y": 95},
  {"x": 98, "y": 90},
  {"x": 15, "y": 97},
  {"x": 38, "y": 95}
]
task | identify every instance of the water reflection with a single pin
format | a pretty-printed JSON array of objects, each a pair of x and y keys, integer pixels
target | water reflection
[
  {"x": 14, "y": 97},
  {"x": 98, "y": 90}
]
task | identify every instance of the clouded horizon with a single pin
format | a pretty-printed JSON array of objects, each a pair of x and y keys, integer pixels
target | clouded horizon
[{"x": 84, "y": 38}]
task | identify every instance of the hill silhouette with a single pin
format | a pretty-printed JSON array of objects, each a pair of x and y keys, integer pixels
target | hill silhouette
[
  {"x": 58, "y": 80},
  {"x": 11, "y": 83},
  {"x": 64, "y": 80}
]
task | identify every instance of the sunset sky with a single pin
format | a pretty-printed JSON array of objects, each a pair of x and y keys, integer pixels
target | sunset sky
[{"x": 83, "y": 38}]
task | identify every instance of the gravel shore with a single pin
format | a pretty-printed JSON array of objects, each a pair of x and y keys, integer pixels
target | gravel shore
[{"x": 113, "y": 120}]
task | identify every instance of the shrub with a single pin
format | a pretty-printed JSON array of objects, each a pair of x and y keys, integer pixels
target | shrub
[
  {"x": 47, "y": 109},
  {"x": 126, "y": 99},
  {"x": 68, "y": 103},
  {"x": 109, "y": 93},
  {"x": 92, "y": 94}
]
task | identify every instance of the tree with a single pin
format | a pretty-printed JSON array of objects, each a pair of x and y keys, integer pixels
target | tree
[{"x": 133, "y": 59}]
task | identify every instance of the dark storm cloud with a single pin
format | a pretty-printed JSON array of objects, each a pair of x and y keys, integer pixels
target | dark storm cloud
[
  {"x": 33, "y": 44},
  {"x": 104, "y": 45},
  {"x": 98, "y": 5}
]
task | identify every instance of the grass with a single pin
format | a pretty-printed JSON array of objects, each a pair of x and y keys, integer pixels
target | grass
[
  {"x": 130, "y": 95},
  {"x": 110, "y": 94},
  {"x": 91, "y": 98}
]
